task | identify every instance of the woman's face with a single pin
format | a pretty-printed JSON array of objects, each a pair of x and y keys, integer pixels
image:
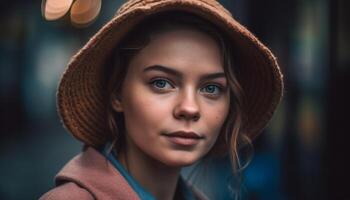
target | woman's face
[{"x": 175, "y": 98}]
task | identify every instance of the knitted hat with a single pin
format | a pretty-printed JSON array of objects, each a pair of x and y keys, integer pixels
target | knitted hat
[{"x": 81, "y": 92}]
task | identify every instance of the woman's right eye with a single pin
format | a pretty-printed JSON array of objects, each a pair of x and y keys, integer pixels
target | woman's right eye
[{"x": 161, "y": 84}]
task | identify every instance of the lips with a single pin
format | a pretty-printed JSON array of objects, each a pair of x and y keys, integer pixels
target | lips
[
  {"x": 184, "y": 134},
  {"x": 183, "y": 138}
]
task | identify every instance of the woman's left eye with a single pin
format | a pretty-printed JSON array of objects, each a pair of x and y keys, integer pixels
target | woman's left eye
[{"x": 212, "y": 89}]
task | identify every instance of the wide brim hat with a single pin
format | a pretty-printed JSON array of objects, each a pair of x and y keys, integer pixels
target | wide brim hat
[{"x": 82, "y": 90}]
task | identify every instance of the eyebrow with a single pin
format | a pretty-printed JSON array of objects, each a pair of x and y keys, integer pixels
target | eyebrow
[{"x": 179, "y": 74}]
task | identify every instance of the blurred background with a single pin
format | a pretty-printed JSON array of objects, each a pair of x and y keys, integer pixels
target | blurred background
[{"x": 301, "y": 155}]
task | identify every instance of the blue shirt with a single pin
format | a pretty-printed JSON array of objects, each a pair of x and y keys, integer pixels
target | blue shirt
[{"x": 141, "y": 192}]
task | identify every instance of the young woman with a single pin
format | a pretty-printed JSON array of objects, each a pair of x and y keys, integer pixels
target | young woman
[{"x": 161, "y": 86}]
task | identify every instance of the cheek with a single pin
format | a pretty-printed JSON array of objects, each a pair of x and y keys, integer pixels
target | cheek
[
  {"x": 215, "y": 118},
  {"x": 142, "y": 110}
]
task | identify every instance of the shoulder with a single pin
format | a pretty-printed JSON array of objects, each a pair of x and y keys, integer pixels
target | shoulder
[{"x": 67, "y": 191}]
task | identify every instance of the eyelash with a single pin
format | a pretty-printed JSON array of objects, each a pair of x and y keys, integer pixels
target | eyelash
[
  {"x": 153, "y": 81},
  {"x": 220, "y": 88}
]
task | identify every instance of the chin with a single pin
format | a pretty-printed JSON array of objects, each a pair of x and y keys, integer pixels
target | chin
[
  {"x": 178, "y": 164},
  {"x": 180, "y": 161}
]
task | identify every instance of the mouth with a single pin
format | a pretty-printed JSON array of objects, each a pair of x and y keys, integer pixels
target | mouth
[{"x": 183, "y": 138}]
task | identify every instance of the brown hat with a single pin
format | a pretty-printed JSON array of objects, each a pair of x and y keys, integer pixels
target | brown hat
[{"x": 81, "y": 93}]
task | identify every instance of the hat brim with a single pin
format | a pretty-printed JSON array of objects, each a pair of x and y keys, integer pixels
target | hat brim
[{"x": 81, "y": 94}]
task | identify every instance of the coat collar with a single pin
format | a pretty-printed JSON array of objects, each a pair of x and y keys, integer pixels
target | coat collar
[{"x": 93, "y": 172}]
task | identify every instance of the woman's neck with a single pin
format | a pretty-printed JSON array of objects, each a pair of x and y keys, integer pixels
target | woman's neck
[{"x": 157, "y": 178}]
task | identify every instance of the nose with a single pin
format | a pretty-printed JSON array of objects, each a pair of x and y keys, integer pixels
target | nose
[{"x": 187, "y": 107}]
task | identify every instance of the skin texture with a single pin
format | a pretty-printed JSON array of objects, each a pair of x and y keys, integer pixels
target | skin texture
[{"x": 155, "y": 103}]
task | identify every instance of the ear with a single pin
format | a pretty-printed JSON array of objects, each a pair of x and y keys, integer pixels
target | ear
[{"x": 117, "y": 105}]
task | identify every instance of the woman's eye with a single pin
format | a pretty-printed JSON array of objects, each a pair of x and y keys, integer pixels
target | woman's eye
[
  {"x": 161, "y": 84},
  {"x": 212, "y": 89}
]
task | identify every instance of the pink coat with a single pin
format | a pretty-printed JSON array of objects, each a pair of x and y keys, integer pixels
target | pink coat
[{"x": 89, "y": 176}]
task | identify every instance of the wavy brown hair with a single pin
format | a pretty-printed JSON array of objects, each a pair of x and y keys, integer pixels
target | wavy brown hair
[{"x": 231, "y": 135}]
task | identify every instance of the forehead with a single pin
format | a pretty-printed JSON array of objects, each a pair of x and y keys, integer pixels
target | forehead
[{"x": 187, "y": 51}]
